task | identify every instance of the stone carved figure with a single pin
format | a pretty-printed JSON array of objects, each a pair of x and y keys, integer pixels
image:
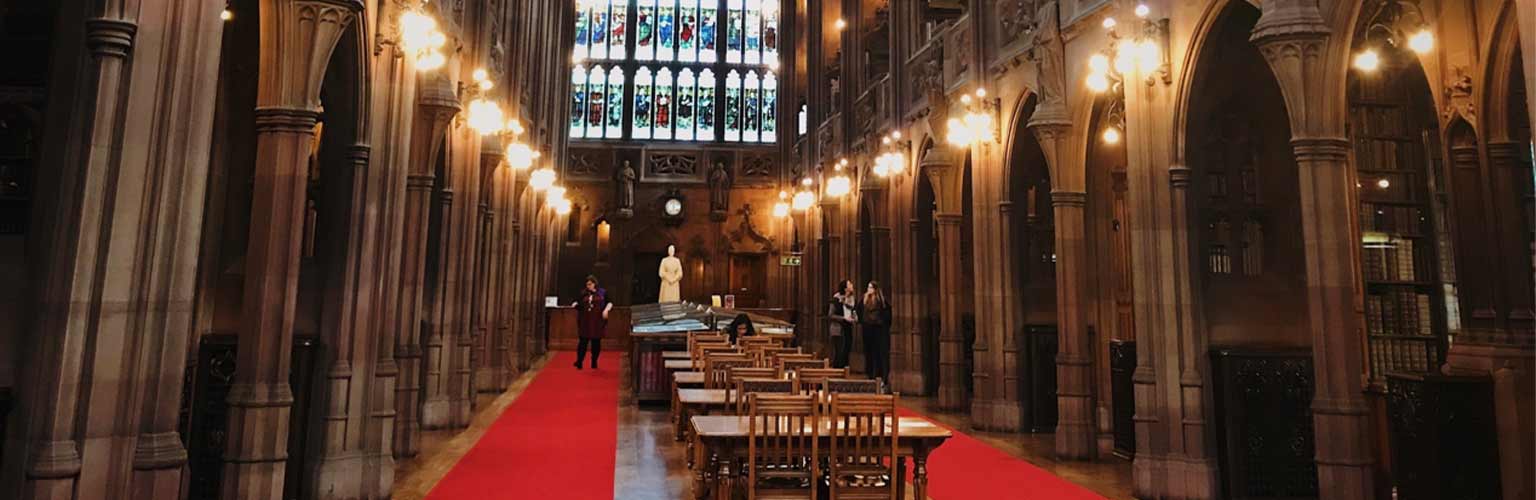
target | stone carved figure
[
  {"x": 671, "y": 273},
  {"x": 1048, "y": 55},
  {"x": 626, "y": 184},
  {"x": 719, "y": 188}
]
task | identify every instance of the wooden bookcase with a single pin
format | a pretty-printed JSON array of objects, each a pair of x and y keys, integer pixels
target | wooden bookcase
[{"x": 1400, "y": 224}]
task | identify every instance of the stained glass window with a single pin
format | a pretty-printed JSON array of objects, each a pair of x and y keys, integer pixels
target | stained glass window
[
  {"x": 646, "y": 70},
  {"x": 706, "y": 98},
  {"x": 615, "y": 127},
  {"x": 685, "y": 111},
  {"x": 642, "y": 104},
  {"x": 664, "y": 109},
  {"x": 645, "y": 30},
  {"x": 732, "y": 106},
  {"x": 578, "y": 102}
]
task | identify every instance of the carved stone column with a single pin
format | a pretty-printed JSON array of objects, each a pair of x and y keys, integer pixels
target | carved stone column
[
  {"x": 1074, "y": 357},
  {"x": 302, "y": 34},
  {"x": 1296, "y": 42},
  {"x": 486, "y": 365},
  {"x": 436, "y": 106},
  {"x": 946, "y": 178}
]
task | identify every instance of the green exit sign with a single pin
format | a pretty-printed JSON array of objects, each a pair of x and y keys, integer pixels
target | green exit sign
[{"x": 789, "y": 260}]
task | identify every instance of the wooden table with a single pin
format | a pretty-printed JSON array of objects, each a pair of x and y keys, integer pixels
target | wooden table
[
  {"x": 678, "y": 364},
  {"x": 724, "y": 441},
  {"x": 692, "y": 402}
]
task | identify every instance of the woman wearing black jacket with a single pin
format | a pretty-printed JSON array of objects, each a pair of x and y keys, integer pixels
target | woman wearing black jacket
[{"x": 875, "y": 318}]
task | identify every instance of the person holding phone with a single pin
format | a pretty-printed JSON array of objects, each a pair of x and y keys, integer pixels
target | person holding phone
[
  {"x": 841, "y": 312},
  {"x": 591, "y": 321}
]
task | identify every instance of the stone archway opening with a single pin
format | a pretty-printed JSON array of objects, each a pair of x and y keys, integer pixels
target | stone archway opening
[
  {"x": 1032, "y": 227},
  {"x": 926, "y": 251},
  {"x": 1250, "y": 268}
]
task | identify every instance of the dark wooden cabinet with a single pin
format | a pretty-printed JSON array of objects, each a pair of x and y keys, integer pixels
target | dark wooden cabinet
[
  {"x": 1264, "y": 438},
  {"x": 647, "y": 370},
  {"x": 1443, "y": 437},
  {"x": 206, "y": 413},
  {"x": 1122, "y": 396},
  {"x": 1039, "y": 377}
]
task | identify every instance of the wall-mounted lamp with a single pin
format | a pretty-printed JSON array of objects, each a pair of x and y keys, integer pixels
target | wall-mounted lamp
[
  {"x": 541, "y": 179},
  {"x": 420, "y": 39},
  {"x": 894, "y": 161},
  {"x": 1393, "y": 23},
  {"x": 803, "y": 199},
  {"x": 781, "y": 208},
  {"x": 839, "y": 184},
  {"x": 977, "y": 125}
]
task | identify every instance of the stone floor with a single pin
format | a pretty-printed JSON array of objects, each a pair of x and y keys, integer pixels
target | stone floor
[{"x": 650, "y": 466}]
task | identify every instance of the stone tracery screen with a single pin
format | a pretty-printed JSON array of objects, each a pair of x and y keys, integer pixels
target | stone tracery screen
[{"x": 676, "y": 70}]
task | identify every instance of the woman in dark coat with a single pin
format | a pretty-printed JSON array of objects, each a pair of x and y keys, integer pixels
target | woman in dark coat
[
  {"x": 740, "y": 327},
  {"x": 875, "y": 318},
  {"x": 591, "y": 321}
]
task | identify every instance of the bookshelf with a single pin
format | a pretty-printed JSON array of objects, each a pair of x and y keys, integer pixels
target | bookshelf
[{"x": 1405, "y": 315}]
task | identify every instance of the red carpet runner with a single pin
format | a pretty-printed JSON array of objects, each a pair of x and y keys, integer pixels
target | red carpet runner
[
  {"x": 556, "y": 441},
  {"x": 965, "y": 468}
]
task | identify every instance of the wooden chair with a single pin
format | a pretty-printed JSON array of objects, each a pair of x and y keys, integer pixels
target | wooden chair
[
  {"x": 790, "y": 364},
  {"x": 717, "y": 369},
  {"x": 854, "y": 386},
  {"x": 863, "y": 436},
  {"x": 754, "y": 372},
  {"x": 707, "y": 350},
  {"x": 745, "y": 387},
  {"x": 815, "y": 379},
  {"x": 769, "y": 355},
  {"x": 756, "y": 340},
  {"x": 782, "y": 447},
  {"x": 694, "y": 338}
]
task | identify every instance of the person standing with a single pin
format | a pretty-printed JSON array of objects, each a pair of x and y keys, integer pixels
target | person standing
[
  {"x": 875, "y": 319},
  {"x": 591, "y": 321},
  {"x": 842, "y": 314}
]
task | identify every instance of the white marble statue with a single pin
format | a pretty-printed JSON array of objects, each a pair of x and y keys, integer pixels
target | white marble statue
[{"x": 671, "y": 273}]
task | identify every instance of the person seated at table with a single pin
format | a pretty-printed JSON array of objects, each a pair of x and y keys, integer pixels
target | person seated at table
[{"x": 741, "y": 326}]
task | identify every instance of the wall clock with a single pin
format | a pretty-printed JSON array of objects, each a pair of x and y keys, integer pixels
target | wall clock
[{"x": 672, "y": 207}]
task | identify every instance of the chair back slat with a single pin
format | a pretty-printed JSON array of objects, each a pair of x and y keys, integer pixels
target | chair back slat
[
  {"x": 782, "y": 446},
  {"x": 717, "y": 369},
  {"x": 745, "y": 387},
  {"x": 710, "y": 349},
  {"x": 790, "y": 364},
  {"x": 863, "y": 436},
  {"x": 853, "y": 386}
]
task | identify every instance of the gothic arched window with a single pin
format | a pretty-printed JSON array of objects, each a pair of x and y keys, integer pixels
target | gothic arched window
[{"x": 673, "y": 49}]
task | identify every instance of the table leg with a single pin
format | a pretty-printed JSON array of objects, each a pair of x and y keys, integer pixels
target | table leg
[
  {"x": 901, "y": 478},
  {"x": 701, "y": 479},
  {"x": 919, "y": 472},
  {"x": 679, "y": 423},
  {"x": 723, "y": 476}
]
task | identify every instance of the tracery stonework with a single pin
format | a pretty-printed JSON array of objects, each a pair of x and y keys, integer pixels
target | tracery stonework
[{"x": 673, "y": 165}]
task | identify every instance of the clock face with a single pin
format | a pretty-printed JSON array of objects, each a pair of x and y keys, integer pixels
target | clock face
[{"x": 673, "y": 206}]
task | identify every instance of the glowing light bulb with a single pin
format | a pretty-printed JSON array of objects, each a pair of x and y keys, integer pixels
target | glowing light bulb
[
  {"x": 979, "y": 126},
  {"x": 783, "y": 194},
  {"x": 541, "y": 179},
  {"x": 520, "y": 156},
  {"x": 840, "y": 24},
  {"x": 430, "y": 61},
  {"x": 880, "y": 169},
  {"x": 554, "y": 194},
  {"x": 957, "y": 134},
  {"x": 226, "y": 14},
  {"x": 1148, "y": 56},
  {"x": 838, "y": 186},
  {"x": 1383, "y": 183},
  {"x": 479, "y": 74},
  {"x": 515, "y": 126},
  {"x": 1098, "y": 82},
  {"x": 1422, "y": 41},
  {"x": 896, "y": 134},
  {"x": 965, "y": 99},
  {"x": 1125, "y": 57},
  {"x": 781, "y": 209},
  {"x": 485, "y": 85},
  {"x": 1098, "y": 63},
  {"x": 1142, "y": 10},
  {"x": 485, "y": 116},
  {"x": 981, "y": 92},
  {"x": 1368, "y": 60},
  {"x": 1109, "y": 23},
  {"x": 563, "y": 207},
  {"x": 1111, "y": 135},
  {"x": 806, "y": 181},
  {"x": 803, "y": 201}
]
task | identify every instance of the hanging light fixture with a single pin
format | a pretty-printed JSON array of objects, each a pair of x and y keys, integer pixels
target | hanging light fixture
[
  {"x": 485, "y": 116},
  {"x": 520, "y": 156},
  {"x": 420, "y": 39},
  {"x": 1393, "y": 23},
  {"x": 839, "y": 184},
  {"x": 553, "y": 195}
]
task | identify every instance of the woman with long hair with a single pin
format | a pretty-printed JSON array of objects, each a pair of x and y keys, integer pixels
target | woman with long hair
[
  {"x": 842, "y": 314},
  {"x": 741, "y": 326},
  {"x": 875, "y": 318}
]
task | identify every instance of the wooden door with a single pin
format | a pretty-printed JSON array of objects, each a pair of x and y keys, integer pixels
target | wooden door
[{"x": 749, "y": 276}]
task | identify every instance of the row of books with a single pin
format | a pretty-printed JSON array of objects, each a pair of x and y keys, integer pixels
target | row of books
[
  {"x": 1403, "y": 355},
  {"x": 1398, "y": 312},
  {"x": 1396, "y": 219},
  {"x": 1379, "y": 154},
  {"x": 1391, "y": 264}
]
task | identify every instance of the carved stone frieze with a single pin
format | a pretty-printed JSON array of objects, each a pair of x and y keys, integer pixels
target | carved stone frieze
[
  {"x": 1017, "y": 19},
  {"x": 678, "y": 165},
  {"x": 755, "y": 169},
  {"x": 588, "y": 163}
]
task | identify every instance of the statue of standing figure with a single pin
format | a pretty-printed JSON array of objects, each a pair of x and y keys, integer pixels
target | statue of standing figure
[
  {"x": 626, "y": 184},
  {"x": 671, "y": 273},
  {"x": 719, "y": 191}
]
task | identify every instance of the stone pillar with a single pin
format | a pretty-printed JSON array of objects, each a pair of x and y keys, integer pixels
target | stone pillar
[
  {"x": 1074, "y": 357},
  {"x": 298, "y": 37},
  {"x": 1296, "y": 42},
  {"x": 951, "y": 339},
  {"x": 486, "y": 364},
  {"x": 436, "y": 106}
]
